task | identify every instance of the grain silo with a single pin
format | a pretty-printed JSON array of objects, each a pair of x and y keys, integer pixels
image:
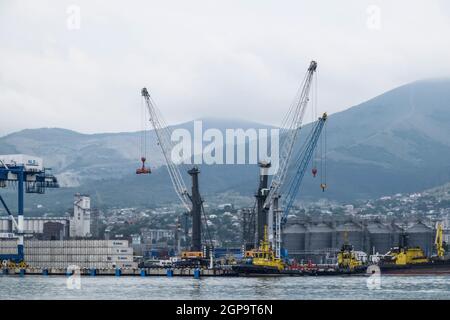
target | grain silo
[
  {"x": 354, "y": 233},
  {"x": 319, "y": 237},
  {"x": 294, "y": 238},
  {"x": 379, "y": 238},
  {"x": 420, "y": 235},
  {"x": 396, "y": 234}
]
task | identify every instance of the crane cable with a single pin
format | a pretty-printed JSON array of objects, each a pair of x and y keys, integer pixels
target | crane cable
[
  {"x": 141, "y": 133},
  {"x": 314, "y": 116},
  {"x": 323, "y": 159}
]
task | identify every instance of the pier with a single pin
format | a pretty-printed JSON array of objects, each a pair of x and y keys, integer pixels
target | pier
[{"x": 141, "y": 272}]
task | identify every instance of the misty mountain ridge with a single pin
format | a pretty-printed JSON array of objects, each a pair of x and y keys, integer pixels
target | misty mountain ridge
[
  {"x": 75, "y": 157},
  {"x": 396, "y": 142}
]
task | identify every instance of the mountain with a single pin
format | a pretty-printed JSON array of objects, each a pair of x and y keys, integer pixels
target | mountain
[
  {"x": 396, "y": 142},
  {"x": 103, "y": 165}
]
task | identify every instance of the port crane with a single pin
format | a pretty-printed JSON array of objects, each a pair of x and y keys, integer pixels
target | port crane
[
  {"x": 303, "y": 159},
  {"x": 268, "y": 212},
  {"x": 29, "y": 176},
  {"x": 192, "y": 202}
]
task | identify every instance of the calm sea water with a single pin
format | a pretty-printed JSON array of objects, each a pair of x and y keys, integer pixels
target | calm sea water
[{"x": 391, "y": 287}]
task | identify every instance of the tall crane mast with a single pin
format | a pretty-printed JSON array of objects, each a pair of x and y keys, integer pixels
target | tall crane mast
[
  {"x": 290, "y": 129},
  {"x": 192, "y": 202}
]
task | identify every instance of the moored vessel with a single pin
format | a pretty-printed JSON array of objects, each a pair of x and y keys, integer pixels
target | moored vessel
[{"x": 412, "y": 260}]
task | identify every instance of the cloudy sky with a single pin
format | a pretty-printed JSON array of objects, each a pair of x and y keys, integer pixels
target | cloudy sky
[{"x": 206, "y": 58}]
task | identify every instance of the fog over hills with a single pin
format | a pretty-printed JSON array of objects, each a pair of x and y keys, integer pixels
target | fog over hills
[{"x": 396, "y": 142}]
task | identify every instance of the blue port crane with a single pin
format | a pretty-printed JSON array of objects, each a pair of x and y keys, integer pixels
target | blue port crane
[
  {"x": 28, "y": 174},
  {"x": 303, "y": 159}
]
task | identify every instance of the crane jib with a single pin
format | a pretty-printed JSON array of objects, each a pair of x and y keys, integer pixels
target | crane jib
[
  {"x": 163, "y": 136},
  {"x": 303, "y": 160},
  {"x": 294, "y": 123}
]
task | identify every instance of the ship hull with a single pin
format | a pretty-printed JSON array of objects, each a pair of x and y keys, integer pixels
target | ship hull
[
  {"x": 428, "y": 268},
  {"x": 254, "y": 270},
  {"x": 257, "y": 271}
]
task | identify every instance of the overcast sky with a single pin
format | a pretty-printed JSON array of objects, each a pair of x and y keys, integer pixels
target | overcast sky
[{"x": 207, "y": 58}]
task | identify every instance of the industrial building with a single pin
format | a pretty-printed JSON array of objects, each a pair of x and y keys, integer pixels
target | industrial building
[
  {"x": 320, "y": 238},
  {"x": 153, "y": 236},
  {"x": 50, "y": 228},
  {"x": 80, "y": 220},
  {"x": 76, "y": 225}
]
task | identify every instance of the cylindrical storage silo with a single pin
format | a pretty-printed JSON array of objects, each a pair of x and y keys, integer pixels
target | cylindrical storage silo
[
  {"x": 380, "y": 238},
  {"x": 320, "y": 237},
  {"x": 420, "y": 235},
  {"x": 294, "y": 237},
  {"x": 396, "y": 234},
  {"x": 354, "y": 234}
]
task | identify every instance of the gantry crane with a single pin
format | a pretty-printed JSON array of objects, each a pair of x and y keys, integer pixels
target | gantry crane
[
  {"x": 268, "y": 213},
  {"x": 192, "y": 202},
  {"x": 30, "y": 176}
]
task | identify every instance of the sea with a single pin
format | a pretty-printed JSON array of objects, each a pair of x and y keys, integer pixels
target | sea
[{"x": 187, "y": 288}]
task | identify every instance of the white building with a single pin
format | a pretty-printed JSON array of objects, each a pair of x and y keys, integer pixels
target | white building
[
  {"x": 155, "y": 235},
  {"x": 80, "y": 221}
]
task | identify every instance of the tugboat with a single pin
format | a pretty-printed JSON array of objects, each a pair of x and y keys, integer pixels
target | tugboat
[
  {"x": 261, "y": 261},
  {"x": 348, "y": 261},
  {"x": 412, "y": 260}
]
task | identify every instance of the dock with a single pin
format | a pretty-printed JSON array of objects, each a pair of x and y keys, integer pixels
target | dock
[{"x": 142, "y": 272}]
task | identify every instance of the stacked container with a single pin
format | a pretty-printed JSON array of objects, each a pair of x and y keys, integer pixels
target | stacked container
[{"x": 83, "y": 253}]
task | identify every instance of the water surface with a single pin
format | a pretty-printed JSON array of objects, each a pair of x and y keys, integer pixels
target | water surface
[{"x": 339, "y": 287}]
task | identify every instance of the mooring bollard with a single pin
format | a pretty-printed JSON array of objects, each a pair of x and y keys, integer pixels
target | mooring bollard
[
  {"x": 45, "y": 272},
  {"x": 197, "y": 273},
  {"x": 169, "y": 273},
  {"x": 118, "y": 272},
  {"x": 143, "y": 273},
  {"x": 93, "y": 272}
]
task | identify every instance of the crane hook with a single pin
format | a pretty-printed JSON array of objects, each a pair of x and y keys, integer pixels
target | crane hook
[{"x": 143, "y": 169}]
